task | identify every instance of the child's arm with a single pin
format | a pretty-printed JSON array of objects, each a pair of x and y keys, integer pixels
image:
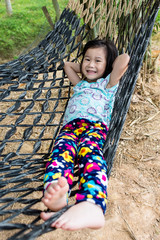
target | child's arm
[
  {"x": 120, "y": 66},
  {"x": 72, "y": 69}
]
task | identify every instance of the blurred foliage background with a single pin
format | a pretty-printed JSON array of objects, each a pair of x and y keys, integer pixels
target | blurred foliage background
[{"x": 28, "y": 25}]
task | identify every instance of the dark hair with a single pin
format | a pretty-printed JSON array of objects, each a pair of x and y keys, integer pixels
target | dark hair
[{"x": 111, "y": 52}]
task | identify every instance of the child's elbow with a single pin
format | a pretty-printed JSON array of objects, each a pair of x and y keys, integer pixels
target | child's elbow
[
  {"x": 126, "y": 58},
  {"x": 124, "y": 61},
  {"x": 66, "y": 65}
]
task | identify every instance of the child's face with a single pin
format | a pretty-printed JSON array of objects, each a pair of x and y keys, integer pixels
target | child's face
[{"x": 94, "y": 63}]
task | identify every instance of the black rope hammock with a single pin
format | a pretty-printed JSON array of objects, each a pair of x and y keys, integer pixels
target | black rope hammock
[{"x": 34, "y": 92}]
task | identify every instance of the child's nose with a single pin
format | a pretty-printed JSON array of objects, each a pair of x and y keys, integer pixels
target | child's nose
[{"x": 91, "y": 63}]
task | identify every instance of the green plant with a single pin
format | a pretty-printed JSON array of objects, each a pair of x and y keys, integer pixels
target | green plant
[
  {"x": 156, "y": 28},
  {"x": 25, "y": 25}
]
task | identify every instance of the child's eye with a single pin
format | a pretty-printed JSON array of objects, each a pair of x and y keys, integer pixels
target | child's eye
[{"x": 98, "y": 60}]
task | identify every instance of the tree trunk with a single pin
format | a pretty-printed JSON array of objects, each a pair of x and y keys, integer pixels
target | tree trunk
[
  {"x": 8, "y": 7},
  {"x": 46, "y": 13},
  {"x": 56, "y": 7}
]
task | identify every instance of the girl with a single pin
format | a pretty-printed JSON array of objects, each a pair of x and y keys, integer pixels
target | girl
[{"x": 82, "y": 137}]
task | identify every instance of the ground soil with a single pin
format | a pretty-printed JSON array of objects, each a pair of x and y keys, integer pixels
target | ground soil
[{"x": 133, "y": 210}]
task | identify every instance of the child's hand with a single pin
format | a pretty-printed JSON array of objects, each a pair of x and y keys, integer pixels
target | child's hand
[{"x": 72, "y": 69}]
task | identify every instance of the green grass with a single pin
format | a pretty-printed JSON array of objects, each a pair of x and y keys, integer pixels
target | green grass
[{"x": 26, "y": 23}]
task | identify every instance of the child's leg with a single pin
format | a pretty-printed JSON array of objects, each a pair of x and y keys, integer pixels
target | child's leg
[
  {"x": 59, "y": 171},
  {"x": 93, "y": 167}
]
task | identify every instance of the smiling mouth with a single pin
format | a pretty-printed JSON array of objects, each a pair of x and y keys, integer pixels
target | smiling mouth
[{"x": 91, "y": 72}]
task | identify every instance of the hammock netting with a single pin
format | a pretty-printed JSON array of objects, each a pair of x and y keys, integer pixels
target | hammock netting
[{"x": 34, "y": 92}]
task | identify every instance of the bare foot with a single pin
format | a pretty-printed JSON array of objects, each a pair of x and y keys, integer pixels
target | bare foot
[
  {"x": 55, "y": 197},
  {"x": 81, "y": 215}
]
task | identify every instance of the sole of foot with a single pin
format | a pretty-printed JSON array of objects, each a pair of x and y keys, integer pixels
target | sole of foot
[
  {"x": 79, "y": 216},
  {"x": 55, "y": 197}
]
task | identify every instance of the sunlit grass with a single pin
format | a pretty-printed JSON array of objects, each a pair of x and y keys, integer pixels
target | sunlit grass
[{"x": 26, "y": 23}]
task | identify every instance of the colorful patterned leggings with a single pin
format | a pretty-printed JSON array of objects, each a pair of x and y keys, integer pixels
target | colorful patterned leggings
[{"x": 81, "y": 141}]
